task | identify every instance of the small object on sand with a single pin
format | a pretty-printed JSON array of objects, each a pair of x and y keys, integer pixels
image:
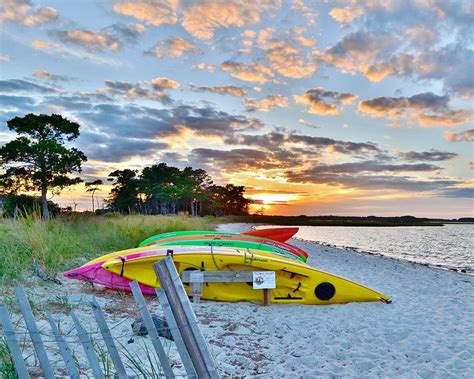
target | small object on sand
[
  {"x": 161, "y": 325},
  {"x": 40, "y": 272}
]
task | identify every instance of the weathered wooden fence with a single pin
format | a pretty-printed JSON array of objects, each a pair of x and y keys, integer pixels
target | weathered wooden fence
[{"x": 187, "y": 335}]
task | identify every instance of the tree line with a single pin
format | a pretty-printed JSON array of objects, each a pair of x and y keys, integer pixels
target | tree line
[{"x": 40, "y": 159}]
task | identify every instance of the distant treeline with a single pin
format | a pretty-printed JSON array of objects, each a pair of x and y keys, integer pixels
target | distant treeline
[{"x": 348, "y": 220}]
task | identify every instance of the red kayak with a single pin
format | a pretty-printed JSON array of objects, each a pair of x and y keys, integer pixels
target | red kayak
[{"x": 276, "y": 234}]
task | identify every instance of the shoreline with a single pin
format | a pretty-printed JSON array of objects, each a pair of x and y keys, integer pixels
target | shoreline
[
  {"x": 380, "y": 255},
  {"x": 361, "y": 251}
]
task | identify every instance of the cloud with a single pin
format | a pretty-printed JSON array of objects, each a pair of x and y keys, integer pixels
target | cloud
[
  {"x": 203, "y": 19},
  {"x": 292, "y": 141},
  {"x": 427, "y": 108},
  {"x": 302, "y": 121},
  {"x": 173, "y": 47},
  {"x": 431, "y": 156},
  {"x": 346, "y": 15},
  {"x": 19, "y": 103},
  {"x": 204, "y": 66},
  {"x": 152, "y": 123},
  {"x": 4, "y": 58},
  {"x": 324, "y": 102},
  {"x": 113, "y": 148},
  {"x": 23, "y": 12},
  {"x": 129, "y": 33},
  {"x": 450, "y": 64},
  {"x": 457, "y": 192},
  {"x": 370, "y": 175},
  {"x": 92, "y": 41},
  {"x": 154, "y": 13},
  {"x": 284, "y": 57},
  {"x": 300, "y": 6},
  {"x": 19, "y": 85},
  {"x": 156, "y": 89},
  {"x": 264, "y": 105},
  {"x": 43, "y": 45},
  {"x": 223, "y": 90},
  {"x": 250, "y": 73},
  {"x": 465, "y": 135},
  {"x": 370, "y": 166},
  {"x": 357, "y": 51},
  {"x": 161, "y": 84},
  {"x": 51, "y": 77}
]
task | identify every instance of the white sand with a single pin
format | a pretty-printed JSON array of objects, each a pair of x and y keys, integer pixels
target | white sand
[{"x": 428, "y": 330}]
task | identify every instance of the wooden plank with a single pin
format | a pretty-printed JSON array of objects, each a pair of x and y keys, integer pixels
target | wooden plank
[
  {"x": 221, "y": 276},
  {"x": 178, "y": 340},
  {"x": 34, "y": 332},
  {"x": 88, "y": 348},
  {"x": 64, "y": 348},
  {"x": 12, "y": 343},
  {"x": 150, "y": 326},
  {"x": 186, "y": 320},
  {"x": 108, "y": 339}
]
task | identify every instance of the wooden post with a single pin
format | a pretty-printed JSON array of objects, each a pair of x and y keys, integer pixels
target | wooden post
[
  {"x": 186, "y": 320},
  {"x": 150, "y": 326},
  {"x": 12, "y": 343},
  {"x": 108, "y": 339},
  {"x": 34, "y": 332},
  {"x": 266, "y": 297},
  {"x": 196, "y": 279},
  {"x": 64, "y": 348},
  {"x": 176, "y": 333},
  {"x": 88, "y": 348}
]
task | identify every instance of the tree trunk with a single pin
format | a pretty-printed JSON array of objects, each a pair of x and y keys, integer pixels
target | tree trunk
[
  {"x": 44, "y": 202},
  {"x": 93, "y": 202}
]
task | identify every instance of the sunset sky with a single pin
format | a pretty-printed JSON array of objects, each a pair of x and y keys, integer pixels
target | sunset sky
[{"x": 317, "y": 107}]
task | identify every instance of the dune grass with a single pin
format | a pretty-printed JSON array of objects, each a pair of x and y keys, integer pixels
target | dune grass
[{"x": 59, "y": 243}]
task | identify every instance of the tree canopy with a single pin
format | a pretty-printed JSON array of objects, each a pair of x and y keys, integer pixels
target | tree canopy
[
  {"x": 163, "y": 189},
  {"x": 38, "y": 159}
]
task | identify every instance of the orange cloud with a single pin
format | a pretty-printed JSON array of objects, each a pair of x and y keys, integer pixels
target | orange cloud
[
  {"x": 156, "y": 13},
  {"x": 427, "y": 108},
  {"x": 173, "y": 47},
  {"x": 204, "y": 66},
  {"x": 4, "y": 58},
  {"x": 223, "y": 90},
  {"x": 284, "y": 58},
  {"x": 89, "y": 40},
  {"x": 250, "y": 73},
  {"x": 466, "y": 135},
  {"x": 203, "y": 19},
  {"x": 271, "y": 101},
  {"x": 43, "y": 45},
  {"x": 324, "y": 102},
  {"x": 346, "y": 15},
  {"x": 300, "y": 6},
  {"x": 22, "y": 12}
]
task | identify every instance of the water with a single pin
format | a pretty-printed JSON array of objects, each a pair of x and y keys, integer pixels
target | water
[{"x": 450, "y": 246}]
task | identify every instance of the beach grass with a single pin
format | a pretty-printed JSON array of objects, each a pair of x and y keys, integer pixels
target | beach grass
[{"x": 62, "y": 242}]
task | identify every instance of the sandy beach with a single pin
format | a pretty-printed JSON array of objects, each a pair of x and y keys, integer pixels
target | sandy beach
[{"x": 427, "y": 332}]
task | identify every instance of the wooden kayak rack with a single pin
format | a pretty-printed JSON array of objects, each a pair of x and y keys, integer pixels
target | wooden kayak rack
[{"x": 196, "y": 278}]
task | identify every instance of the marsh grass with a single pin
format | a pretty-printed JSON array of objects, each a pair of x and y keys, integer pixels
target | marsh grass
[{"x": 68, "y": 241}]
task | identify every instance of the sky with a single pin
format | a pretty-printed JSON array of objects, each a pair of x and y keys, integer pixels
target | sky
[{"x": 350, "y": 107}]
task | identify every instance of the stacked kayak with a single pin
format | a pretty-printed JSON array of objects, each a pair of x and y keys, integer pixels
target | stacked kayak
[{"x": 296, "y": 282}]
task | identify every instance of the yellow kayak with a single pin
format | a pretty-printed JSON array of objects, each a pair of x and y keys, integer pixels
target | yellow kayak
[{"x": 295, "y": 282}]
